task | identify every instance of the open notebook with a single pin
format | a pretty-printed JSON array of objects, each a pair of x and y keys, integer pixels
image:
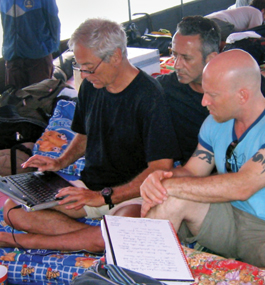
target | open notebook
[
  {"x": 146, "y": 246},
  {"x": 33, "y": 190}
]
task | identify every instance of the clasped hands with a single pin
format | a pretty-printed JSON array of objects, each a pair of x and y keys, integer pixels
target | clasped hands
[{"x": 152, "y": 190}]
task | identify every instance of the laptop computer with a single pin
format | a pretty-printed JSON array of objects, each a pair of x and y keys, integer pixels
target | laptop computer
[{"x": 34, "y": 190}]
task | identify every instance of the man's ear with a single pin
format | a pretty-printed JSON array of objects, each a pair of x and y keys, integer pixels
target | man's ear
[
  {"x": 116, "y": 58},
  {"x": 243, "y": 95},
  {"x": 210, "y": 56}
]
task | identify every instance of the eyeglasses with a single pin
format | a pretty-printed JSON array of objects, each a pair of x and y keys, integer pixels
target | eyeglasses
[
  {"x": 229, "y": 154},
  {"x": 77, "y": 67}
]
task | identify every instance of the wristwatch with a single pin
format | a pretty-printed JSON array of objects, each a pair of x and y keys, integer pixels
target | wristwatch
[{"x": 106, "y": 193}]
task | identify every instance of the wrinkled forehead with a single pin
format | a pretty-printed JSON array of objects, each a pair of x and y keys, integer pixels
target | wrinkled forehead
[{"x": 84, "y": 55}]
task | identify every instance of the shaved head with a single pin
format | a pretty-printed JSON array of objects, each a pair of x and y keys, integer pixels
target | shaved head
[
  {"x": 231, "y": 83},
  {"x": 236, "y": 69}
]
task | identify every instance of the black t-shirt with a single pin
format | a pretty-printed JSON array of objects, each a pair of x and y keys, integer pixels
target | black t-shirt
[
  {"x": 186, "y": 111},
  {"x": 124, "y": 131}
]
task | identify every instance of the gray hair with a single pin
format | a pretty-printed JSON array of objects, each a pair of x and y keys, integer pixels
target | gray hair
[
  {"x": 207, "y": 29},
  {"x": 102, "y": 36}
]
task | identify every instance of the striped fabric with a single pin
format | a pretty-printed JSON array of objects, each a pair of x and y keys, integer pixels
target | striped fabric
[{"x": 102, "y": 274}]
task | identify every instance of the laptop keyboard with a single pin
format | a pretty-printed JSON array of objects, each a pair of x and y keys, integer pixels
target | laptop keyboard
[{"x": 34, "y": 188}]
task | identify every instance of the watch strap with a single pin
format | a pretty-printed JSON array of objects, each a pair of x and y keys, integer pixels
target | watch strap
[{"x": 107, "y": 197}]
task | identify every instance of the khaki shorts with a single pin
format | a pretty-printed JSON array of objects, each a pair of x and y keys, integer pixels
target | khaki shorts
[
  {"x": 96, "y": 212},
  {"x": 230, "y": 232}
]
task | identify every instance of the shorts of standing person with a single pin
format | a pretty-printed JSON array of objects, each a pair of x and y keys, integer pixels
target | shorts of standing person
[
  {"x": 22, "y": 72},
  {"x": 230, "y": 232}
]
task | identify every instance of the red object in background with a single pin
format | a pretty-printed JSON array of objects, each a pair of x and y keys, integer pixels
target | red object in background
[{"x": 166, "y": 66}]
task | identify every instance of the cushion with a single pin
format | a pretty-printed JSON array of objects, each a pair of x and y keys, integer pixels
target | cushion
[{"x": 58, "y": 135}]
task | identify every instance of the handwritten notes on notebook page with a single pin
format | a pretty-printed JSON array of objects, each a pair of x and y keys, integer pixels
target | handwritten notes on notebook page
[{"x": 147, "y": 246}]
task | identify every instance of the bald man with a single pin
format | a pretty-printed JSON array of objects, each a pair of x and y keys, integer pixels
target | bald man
[{"x": 224, "y": 212}]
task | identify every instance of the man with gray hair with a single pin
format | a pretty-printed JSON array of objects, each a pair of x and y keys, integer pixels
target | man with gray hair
[{"x": 124, "y": 129}]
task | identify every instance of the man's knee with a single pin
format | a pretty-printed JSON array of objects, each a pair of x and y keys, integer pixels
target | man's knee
[
  {"x": 168, "y": 209},
  {"x": 178, "y": 210},
  {"x": 9, "y": 204}
]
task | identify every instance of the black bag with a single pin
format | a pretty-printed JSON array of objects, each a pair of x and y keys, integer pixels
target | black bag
[
  {"x": 259, "y": 30},
  {"x": 133, "y": 35},
  {"x": 15, "y": 129},
  {"x": 63, "y": 66},
  {"x": 36, "y": 101},
  {"x": 254, "y": 46},
  {"x": 160, "y": 42},
  {"x": 152, "y": 40}
]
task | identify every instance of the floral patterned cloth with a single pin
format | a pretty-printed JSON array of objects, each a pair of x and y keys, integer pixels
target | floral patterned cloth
[
  {"x": 211, "y": 269},
  {"x": 44, "y": 267}
]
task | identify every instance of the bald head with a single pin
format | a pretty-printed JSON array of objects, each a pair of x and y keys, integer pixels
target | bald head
[
  {"x": 236, "y": 69},
  {"x": 232, "y": 86}
]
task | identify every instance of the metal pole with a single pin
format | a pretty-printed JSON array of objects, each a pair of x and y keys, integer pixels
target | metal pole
[
  {"x": 182, "y": 9},
  {"x": 129, "y": 9}
]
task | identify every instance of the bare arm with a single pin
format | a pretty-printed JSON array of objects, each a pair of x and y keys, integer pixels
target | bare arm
[
  {"x": 153, "y": 189},
  {"x": 132, "y": 189},
  {"x": 81, "y": 196},
  {"x": 221, "y": 188}
]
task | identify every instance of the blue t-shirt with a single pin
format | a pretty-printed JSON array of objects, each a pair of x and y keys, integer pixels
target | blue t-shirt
[{"x": 216, "y": 137}]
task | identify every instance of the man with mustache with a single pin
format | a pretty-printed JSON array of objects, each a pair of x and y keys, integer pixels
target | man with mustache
[{"x": 195, "y": 43}]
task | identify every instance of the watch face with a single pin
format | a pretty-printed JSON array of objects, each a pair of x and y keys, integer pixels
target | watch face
[{"x": 106, "y": 191}]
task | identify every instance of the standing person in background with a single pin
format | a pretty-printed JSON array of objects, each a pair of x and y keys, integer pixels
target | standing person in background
[{"x": 31, "y": 33}]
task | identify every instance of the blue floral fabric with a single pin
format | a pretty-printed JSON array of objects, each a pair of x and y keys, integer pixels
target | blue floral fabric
[
  {"x": 44, "y": 267},
  {"x": 58, "y": 135}
]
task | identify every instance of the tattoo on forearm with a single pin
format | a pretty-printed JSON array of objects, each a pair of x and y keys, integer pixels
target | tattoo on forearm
[
  {"x": 258, "y": 157},
  {"x": 203, "y": 155}
]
